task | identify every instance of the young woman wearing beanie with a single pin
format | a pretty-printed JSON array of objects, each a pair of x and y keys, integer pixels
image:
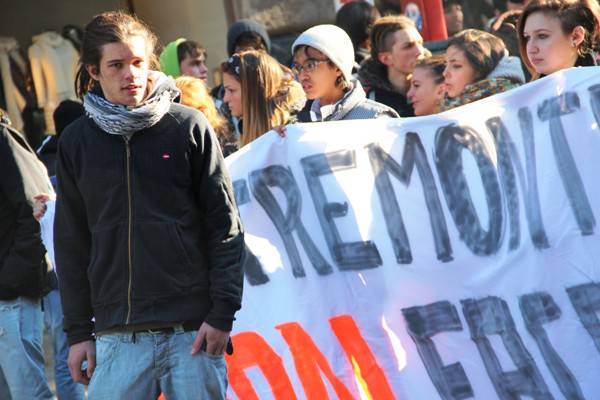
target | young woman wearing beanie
[
  {"x": 261, "y": 92},
  {"x": 558, "y": 34},
  {"x": 323, "y": 57},
  {"x": 478, "y": 66}
]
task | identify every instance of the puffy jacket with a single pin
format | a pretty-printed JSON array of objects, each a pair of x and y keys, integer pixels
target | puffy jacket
[
  {"x": 354, "y": 105},
  {"x": 146, "y": 228}
]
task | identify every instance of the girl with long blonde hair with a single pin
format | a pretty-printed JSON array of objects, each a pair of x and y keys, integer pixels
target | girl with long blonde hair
[{"x": 261, "y": 92}]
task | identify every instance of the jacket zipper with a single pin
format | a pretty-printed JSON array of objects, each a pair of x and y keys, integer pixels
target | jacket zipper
[{"x": 130, "y": 229}]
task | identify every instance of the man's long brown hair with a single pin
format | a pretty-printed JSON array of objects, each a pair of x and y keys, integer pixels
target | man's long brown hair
[{"x": 105, "y": 28}]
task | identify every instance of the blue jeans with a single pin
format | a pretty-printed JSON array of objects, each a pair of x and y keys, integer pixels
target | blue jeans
[
  {"x": 21, "y": 356},
  {"x": 155, "y": 362},
  {"x": 66, "y": 389}
]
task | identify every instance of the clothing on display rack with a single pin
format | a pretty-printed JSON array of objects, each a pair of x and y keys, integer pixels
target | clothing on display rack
[
  {"x": 14, "y": 99},
  {"x": 53, "y": 65},
  {"x": 17, "y": 93}
]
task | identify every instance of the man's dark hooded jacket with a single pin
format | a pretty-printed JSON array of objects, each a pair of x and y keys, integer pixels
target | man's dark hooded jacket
[
  {"x": 146, "y": 229},
  {"x": 373, "y": 76}
]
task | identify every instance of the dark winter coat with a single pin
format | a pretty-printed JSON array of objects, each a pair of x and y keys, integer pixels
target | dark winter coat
[
  {"x": 373, "y": 76},
  {"x": 146, "y": 229},
  {"x": 23, "y": 271}
]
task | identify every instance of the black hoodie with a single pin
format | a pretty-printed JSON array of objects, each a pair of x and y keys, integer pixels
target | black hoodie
[
  {"x": 146, "y": 229},
  {"x": 372, "y": 75}
]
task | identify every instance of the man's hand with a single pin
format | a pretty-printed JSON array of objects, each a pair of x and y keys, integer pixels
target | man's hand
[
  {"x": 79, "y": 353},
  {"x": 216, "y": 340}
]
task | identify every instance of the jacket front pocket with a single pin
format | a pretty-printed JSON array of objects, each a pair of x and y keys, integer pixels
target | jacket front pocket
[
  {"x": 108, "y": 264},
  {"x": 161, "y": 267}
]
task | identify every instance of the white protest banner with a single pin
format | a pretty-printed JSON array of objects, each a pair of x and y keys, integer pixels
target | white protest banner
[{"x": 454, "y": 256}]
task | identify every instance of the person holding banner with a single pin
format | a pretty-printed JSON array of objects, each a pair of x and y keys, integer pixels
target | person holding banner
[
  {"x": 559, "y": 34},
  {"x": 260, "y": 92},
  {"x": 147, "y": 232},
  {"x": 323, "y": 57},
  {"x": 478, "y": 66}
]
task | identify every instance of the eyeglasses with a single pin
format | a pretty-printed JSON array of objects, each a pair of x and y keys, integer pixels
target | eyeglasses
[{"x": 309, "y": 66}]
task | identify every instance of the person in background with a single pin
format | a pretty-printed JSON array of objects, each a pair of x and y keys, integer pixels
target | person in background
[
  {"x": 502, "y": 6},
  {"x": 148, "y": 239},
  {"x": 66, "y": 112},
  {"x": 453, "y": 14},
  {"x": 322, "y": 61},
  {"x": 246, "y": 34},
  {"x": 23, "y": 270},
  {"x": 514, "y": 5},
  {"x": 477, "y": 13},
  {"x": 396, "y": 46},
  {"x": 478, "y": 66},
  {"x": 242, "y": 35},
  {"x": 389, "y": 7},
  {"x": 184, "y": 57},
  {"x": 427, "y": 85},
  {"x": 260, "y": 92},
  {"x": 505, "y": 27},
  {"x": 504, "y": 23},
  {"x": 194, "y": 93},
  {"x": 558, "y": 34},
  {"x": 357, "y": 18}
]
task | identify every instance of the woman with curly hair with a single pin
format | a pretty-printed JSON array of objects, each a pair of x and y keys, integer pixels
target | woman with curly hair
[{"x": 194, "y": 93}]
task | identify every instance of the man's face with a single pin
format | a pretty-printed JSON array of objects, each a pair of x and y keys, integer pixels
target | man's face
[
  {"x": 123, "y": 71},
  {"x": 195, "y": 66},
  {"x": 454, "y": 19},
  {"x": 406, "y": 50}
]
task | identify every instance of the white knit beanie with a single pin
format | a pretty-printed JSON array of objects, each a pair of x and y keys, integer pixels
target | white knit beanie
[{"x": 332, "y": 41}]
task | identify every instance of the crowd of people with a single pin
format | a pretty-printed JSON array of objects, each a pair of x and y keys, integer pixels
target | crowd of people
[{"x": 131, "y": 199}]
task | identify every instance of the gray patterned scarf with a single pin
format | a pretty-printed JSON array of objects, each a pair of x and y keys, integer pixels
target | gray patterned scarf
[{"x": 118, "y": 119}]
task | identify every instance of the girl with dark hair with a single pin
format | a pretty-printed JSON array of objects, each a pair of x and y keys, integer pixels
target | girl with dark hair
[
  {"x": 145, "y": 224},
  {"x": 357, "y": 18},
  {"x": 558, "y": 34},
  {"x": 427, "y": 86},
  {"x": 478, "y": 66}
]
